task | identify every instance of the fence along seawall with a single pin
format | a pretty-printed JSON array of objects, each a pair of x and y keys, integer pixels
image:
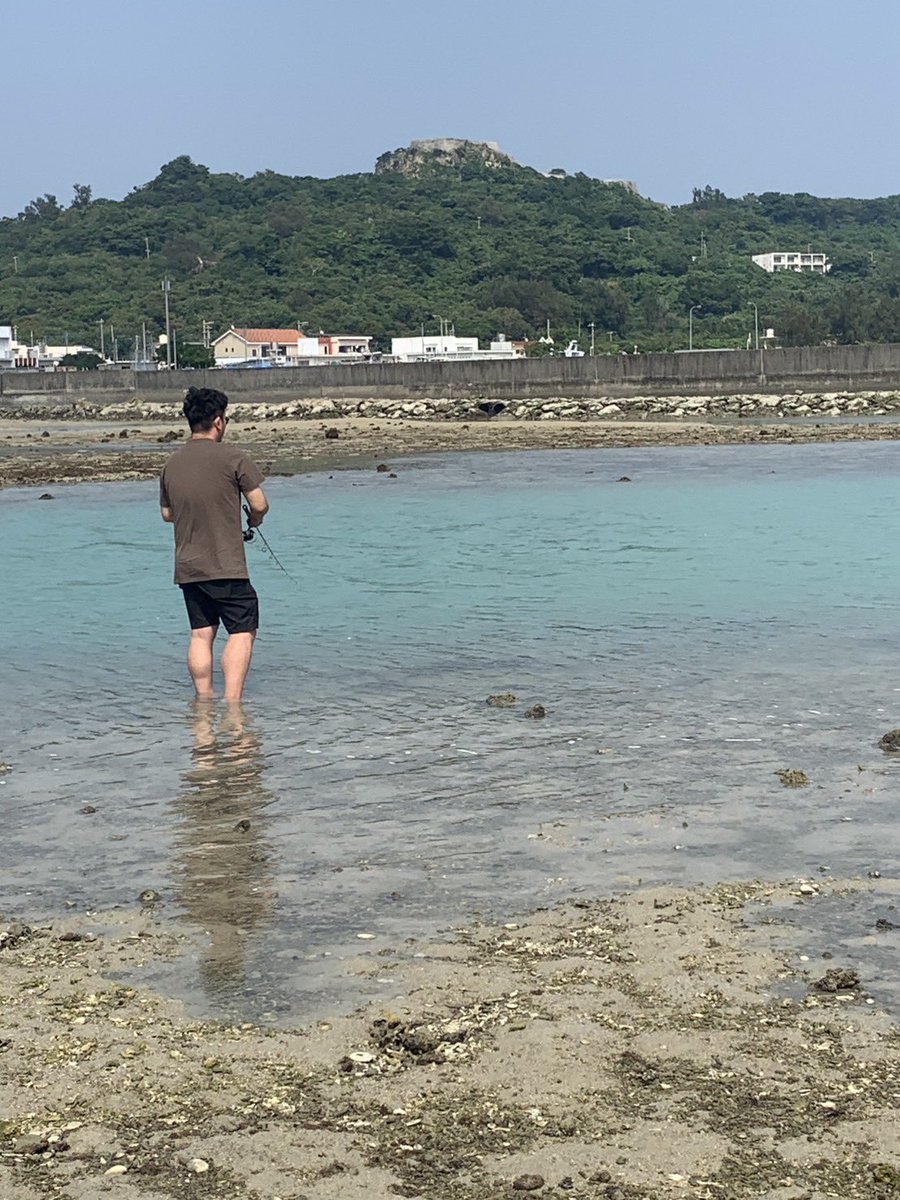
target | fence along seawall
[{"x": 707, "y": 373}]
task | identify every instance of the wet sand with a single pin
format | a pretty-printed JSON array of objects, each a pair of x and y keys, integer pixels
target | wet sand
[
  {"x": 641, "y": 1048},
  {"x": 101, "y": 451}
]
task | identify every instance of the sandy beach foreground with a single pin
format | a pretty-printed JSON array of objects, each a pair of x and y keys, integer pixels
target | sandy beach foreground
[
  {"x": 641, "y": 1048},
  {"x": 36, "y": 452}
]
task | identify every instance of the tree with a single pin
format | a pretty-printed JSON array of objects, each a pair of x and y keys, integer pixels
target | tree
[
  {"x": 84, "y": 360},
  {"x": 708, "y": 197},
  {"x": 81, "y": 195},
  {"x": 192, "y": 354},
  {"x": 42, "y": 208}
]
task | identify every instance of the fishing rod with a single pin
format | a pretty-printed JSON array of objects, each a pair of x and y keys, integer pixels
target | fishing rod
[{"x": 249, "y": 535}]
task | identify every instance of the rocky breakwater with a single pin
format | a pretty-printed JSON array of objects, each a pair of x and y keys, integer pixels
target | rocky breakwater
[{"x": 790, "y": 405}]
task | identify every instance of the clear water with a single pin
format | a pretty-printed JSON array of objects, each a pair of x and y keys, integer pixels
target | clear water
[{"x": 729, "y": 612}]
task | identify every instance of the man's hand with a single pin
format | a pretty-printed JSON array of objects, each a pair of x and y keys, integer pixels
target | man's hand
[
  {"x": 258, "y": 506},
  {"x": 167, "y": 515}
]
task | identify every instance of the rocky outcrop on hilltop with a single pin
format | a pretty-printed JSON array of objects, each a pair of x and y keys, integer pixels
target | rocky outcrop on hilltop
[{"x": 421, "y": 156}]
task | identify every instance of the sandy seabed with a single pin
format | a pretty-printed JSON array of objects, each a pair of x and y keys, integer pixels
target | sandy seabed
[
  {"x": 652, "y": 1046},
  {"x": 645, "y": 1047}
]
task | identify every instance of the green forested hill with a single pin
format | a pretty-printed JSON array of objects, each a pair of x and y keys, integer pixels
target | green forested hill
[{"x": 492, "y": 249}]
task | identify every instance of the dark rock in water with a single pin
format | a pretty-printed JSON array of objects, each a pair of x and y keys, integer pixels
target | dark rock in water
[
  {"x": 123, "y": 433},
  {"x": 623, "y": 479},
  {"x": 491, "y": 408},
  {"x": 528, "y": 1183},
  {"x": 46, "y": 496},
  {"x": 890, "y": 741},
  {"x": 71, "y": 936},
  {"x": 13, "y": 934},
  {"x": 45, "y": 434},
  {"x": 793, "y": 779},
  {"x": 242, "y": 826},
  {"x": 171, "y": 435},
  {"x": 332, "y": 434},
  {"x": 392, "y": 475},
  {"x": 87, "y": 810},
  {"x": 382, "y": 468},
  {"x": 5, "y": 768},
  {"x": 537, "y": 712},
  {"x": 837, "y": 979},
  {"x": 884, "y": 924},
  {"x": 501, "y": 700},
  {"x": 31, "y": 1143},
  {"x": 149, "y": 896}
]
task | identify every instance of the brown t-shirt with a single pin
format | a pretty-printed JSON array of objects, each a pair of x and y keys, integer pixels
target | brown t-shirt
[{"x": 202, "y": 483}]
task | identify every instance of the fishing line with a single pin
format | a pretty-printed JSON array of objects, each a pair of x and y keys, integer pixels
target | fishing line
[{"x": 249, "y": 535}]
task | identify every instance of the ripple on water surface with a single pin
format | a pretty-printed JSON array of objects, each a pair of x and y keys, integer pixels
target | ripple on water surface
[{"x": 722, "y": 616}]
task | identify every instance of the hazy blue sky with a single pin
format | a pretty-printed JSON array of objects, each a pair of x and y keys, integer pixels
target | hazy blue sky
[{"x": 773, "y": 95}]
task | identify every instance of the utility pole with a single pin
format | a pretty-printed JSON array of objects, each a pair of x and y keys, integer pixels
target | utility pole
[
  {"x": 147, "y": 248},
  {"x": 113, "y": 343},
  {"x": 16, "y": 263},
  {"x": 144, "y": 344},
  {"x": 174, "y": 351},
  {"x": 591, "y": 327},
  {"x": 166, "y": 288},
  {"x": 102, "y": 343}
]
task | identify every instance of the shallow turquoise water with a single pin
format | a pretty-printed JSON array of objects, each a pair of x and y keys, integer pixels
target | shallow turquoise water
[{"x": 726, "y": 613}]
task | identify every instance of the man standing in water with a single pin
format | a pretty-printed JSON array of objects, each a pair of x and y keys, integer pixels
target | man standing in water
[{"x": 200, "y": 492}]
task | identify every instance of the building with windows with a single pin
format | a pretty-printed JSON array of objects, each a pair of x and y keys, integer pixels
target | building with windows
[
  {"x": 276, "y": 347},
  {"x": 7, "y": 356},
  {"x": 818, "y": 264},
  {"x": 285, "y": 348},
  {"x": 344, "y": 345},
  {"x": 447, "y": 347}
]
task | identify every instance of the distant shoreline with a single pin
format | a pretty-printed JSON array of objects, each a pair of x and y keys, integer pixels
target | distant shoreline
[{"x": 48, "y": 451}]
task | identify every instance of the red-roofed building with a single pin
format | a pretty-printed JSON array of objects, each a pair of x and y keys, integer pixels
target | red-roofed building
[
  {"x": 284, "y": 347},
  {"x": 278, "y": 346}
]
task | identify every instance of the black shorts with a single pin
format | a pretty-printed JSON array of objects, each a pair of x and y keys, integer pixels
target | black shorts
[{"x": 233, "y": 601}]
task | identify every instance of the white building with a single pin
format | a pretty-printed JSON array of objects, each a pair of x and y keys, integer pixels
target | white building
[
  {"x": 7, "y": 358},
  {"x": 818, "y": 264},
  {"x": 447, "y": 347},
  {"x": 41, "y": 356}
]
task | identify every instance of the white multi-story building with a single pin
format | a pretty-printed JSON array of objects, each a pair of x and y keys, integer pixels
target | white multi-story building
[
  {"x": 818, "y": 264},
  {"x": 447, "y": 347},
  {"x": 7, "y": 357}
]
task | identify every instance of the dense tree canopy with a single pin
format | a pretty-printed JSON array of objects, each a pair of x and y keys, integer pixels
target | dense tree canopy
[{"x": 491, "y": 250}]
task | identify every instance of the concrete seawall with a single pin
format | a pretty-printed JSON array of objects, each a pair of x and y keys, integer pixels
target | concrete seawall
[{"x": 706, "y": 373}]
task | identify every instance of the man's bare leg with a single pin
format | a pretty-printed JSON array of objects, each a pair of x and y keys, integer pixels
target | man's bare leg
[
  {"x": 200, "y": 659},
  {"x": 236, "y": 663}
]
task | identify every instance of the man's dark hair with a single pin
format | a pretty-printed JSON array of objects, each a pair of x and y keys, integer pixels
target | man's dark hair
[{"x": 202, "y": 406}]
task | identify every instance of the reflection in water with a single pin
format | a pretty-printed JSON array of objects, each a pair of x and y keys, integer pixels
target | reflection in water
[{"x": 223, "y": 867}]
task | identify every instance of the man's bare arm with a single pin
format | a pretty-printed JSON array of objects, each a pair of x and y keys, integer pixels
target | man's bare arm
[
  {"x": 167, "y": 515},
  {"x": 258, "y": 505}
]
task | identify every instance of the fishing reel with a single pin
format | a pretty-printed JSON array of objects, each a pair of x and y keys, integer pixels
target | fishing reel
[{"x": 248, "y": 532}]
